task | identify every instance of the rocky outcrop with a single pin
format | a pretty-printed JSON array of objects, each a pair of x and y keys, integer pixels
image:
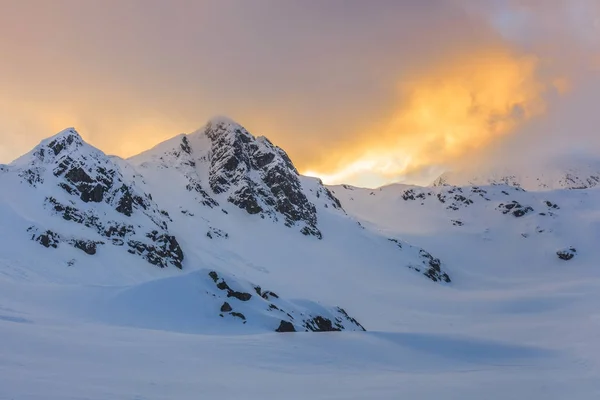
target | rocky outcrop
[
  {"x": 433, "y": 268},
  {"x": 289, "y": 317},
  {"x": 567, "y": 254},
  {"x": 453, "y": 198},
  {"x": 87, "y": 246},
  {"x": 430, "y": 266},
  {"x": 46, "y": 238},
  {"x": 515, "y": 208},
  {"x": 163, "y": 251},
  {"x": 51, "y": 239},
  {"x": 258, "y": 176}
]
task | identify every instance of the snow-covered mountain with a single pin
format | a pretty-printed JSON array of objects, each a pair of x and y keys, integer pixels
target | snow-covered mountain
[
  {"x": 104, "y": 262},
  {"x": 581, "y": 172},
  {"x": 220, "y": 201}
]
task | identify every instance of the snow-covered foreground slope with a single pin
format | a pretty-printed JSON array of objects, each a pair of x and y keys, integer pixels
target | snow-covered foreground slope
[
  {"x": 467, "y": 344},
  {"x": 167, "y": 276}
]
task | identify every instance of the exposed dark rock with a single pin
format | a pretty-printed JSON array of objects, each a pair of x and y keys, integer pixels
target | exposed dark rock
[
  {"x": 60, "y": 143},
  {"x": 310, "y": 231},
  {"x": 522, "y": 211},
  {"x": 125, "y": 204},
  {"x": 320, "y": 324},
  {"x": 515, "y": 208},
  {"x": 46, "y": 239},
  {"x": 78, "y": 175},
  {"x": 267, "y": 294},
  {"x": 237, "y": 159},
  {"x": 349, "y": 318},
  {"x": 222, "y": 285},
  {"x": 334, "y": 200},
  {"x": 216, "y": 233},
  {"x": 242, "y": 296},
  {"x": 433, "y": 268},
  {"x": 285, "y": 326},
  {"x": 87, "y": 246},
  {"x": 245, "y": 198},
  {"x": 185, "y": 145},
  {"x": 206, "y": 199},
  {"x": 396, "y": 241},
  {"x": 163, "y": 252},
  {"x": 32, "y": 176},
  {"x": 226, "y": 307},
  {"x": 567, "y": 254},
  {"x": 238, "y": 315},
  {"x": 411, "y": 194}
]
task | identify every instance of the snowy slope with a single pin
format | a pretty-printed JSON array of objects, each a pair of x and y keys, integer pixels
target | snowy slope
[
  {"x": 500, "y": 232},
  {"x": 168, "y": 274}
]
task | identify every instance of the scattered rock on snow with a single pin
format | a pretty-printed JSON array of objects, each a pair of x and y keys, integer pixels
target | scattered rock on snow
[{"x": 566, "y": 254}]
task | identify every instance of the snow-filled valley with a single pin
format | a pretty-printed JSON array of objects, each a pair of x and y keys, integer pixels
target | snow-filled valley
[{"x": 208, "y": 267}]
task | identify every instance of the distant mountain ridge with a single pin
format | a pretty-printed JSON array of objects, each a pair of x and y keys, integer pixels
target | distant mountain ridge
[{"x": 562, "y": 173}]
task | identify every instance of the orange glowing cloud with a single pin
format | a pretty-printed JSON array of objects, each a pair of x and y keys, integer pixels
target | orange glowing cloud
[{"x": 446, "y": 113}]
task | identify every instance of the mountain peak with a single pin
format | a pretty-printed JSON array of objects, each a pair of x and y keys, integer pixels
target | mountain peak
[
  {"x": 225, "y": 130},
  {"x": 70, "y": 131},
  {"x": 52, "y": 148},
  {"x": 223, "y": 162},
  {"x": 64, "y": 140},
  {"x": 221, "y": 119}
]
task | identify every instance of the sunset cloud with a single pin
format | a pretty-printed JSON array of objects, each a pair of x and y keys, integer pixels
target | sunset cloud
[
  {"x": 364, "y": 92},
  {"x": 446, "y": 112}
]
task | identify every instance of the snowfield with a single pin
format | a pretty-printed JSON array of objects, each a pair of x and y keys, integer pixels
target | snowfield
[{"x": 172, "y": 274}]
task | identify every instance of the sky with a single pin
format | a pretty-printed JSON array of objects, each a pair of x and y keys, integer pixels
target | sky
[{"x": 359, "y": 92}]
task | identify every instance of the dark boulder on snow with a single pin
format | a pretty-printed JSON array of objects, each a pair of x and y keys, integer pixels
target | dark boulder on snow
[
  {"x": 285, "y": 326},
  {"x": 222, "y": 285},
  {"x": 515, "y": 208},
  {"x": 46, "y": 239},
  {"x": 567, "y": 254},
  {"x": 87, "y": 246},
  {"x": 238, "y": 315}
]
